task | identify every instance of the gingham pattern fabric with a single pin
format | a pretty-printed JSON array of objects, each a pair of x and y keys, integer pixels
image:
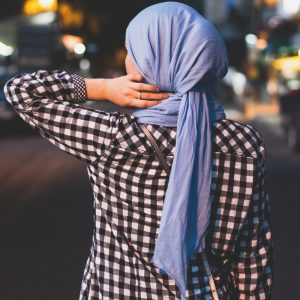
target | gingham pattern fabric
[{"x": 129, "y": 185}]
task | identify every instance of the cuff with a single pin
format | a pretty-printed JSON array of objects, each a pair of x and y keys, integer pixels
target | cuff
[{"x": 79, "y": 88}]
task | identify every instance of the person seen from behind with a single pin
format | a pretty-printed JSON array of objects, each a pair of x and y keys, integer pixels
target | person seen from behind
[{"x": 198, "y": 231}]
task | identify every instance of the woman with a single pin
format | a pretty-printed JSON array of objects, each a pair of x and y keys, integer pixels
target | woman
[{"x": 152, "y": 228}]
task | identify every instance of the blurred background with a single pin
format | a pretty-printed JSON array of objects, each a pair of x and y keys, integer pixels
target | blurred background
[{"x": 45, "y": 198}]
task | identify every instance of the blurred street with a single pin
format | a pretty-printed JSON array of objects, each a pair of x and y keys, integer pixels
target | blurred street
[
  {"x": 283, "y": 177},
  {"x": 46, "y": 202},
  {"x": 46, "y": 217}
]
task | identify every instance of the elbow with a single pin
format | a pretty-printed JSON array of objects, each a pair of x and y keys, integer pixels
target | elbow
[
  {"x": 15, "y": 93},
  {"x": 8, "y": 91}
]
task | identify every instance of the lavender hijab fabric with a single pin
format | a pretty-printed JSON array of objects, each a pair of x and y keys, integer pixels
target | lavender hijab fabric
[{"x": 176, "y": 49}]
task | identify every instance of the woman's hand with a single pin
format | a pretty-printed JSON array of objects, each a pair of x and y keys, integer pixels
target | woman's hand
[{"x": 125, "y": 91}]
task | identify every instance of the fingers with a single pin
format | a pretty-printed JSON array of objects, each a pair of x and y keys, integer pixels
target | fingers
[
  {"x": 143, "y": 87},
  {"x": 143, "y": 103},
  {"x": 148, "y": 94},
  {"x": 134, "y": 77},
  {"x": 154, "y": 96}
]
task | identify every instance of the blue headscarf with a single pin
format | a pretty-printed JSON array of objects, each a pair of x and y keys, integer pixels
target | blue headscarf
[{"x": 176, "y": 49}]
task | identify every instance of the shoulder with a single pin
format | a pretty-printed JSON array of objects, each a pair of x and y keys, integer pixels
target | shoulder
[
  {"x": 238, "y": 139},
  {"x": 132, "y": 138}
]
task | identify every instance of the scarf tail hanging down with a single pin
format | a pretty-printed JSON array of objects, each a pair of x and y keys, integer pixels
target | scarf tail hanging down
[{"x": 186, "y": 208}]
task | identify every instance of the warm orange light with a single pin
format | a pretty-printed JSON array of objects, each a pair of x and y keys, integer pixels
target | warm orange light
[
  {"x": 70, "y": 17},
  {"x": 261, "y": 44},
  {"x": 70, "y": 41},
  {"x": 271, "y": 3},
  {"x": 32, "y": 7}
]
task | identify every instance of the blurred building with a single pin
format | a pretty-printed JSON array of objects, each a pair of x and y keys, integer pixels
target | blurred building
[
  {"x": 288, "y": 8},
  {"x": 232, "y": 19}
]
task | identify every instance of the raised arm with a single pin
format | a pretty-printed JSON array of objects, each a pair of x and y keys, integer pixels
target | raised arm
[{"x": 50, "y": 102}]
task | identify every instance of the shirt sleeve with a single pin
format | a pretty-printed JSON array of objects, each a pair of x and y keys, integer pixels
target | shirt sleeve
[
  {"x": 50, "y": 102},
  {"x": 253, "y": 265}
]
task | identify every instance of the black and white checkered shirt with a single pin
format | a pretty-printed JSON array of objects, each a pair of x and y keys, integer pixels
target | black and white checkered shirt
[{"x": 129, "y": 185}]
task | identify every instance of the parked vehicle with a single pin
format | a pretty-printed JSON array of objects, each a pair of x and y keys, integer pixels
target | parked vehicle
[{"x": 290, "y": 113}]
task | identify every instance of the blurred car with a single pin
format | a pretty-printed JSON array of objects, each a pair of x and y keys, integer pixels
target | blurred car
[{"x": 290, "y": 114}]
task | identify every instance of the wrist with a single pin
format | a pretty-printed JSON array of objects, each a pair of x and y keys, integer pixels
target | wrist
[
  {"x": 95, "y": 88},
  {"x": 104, "y": 88}
]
